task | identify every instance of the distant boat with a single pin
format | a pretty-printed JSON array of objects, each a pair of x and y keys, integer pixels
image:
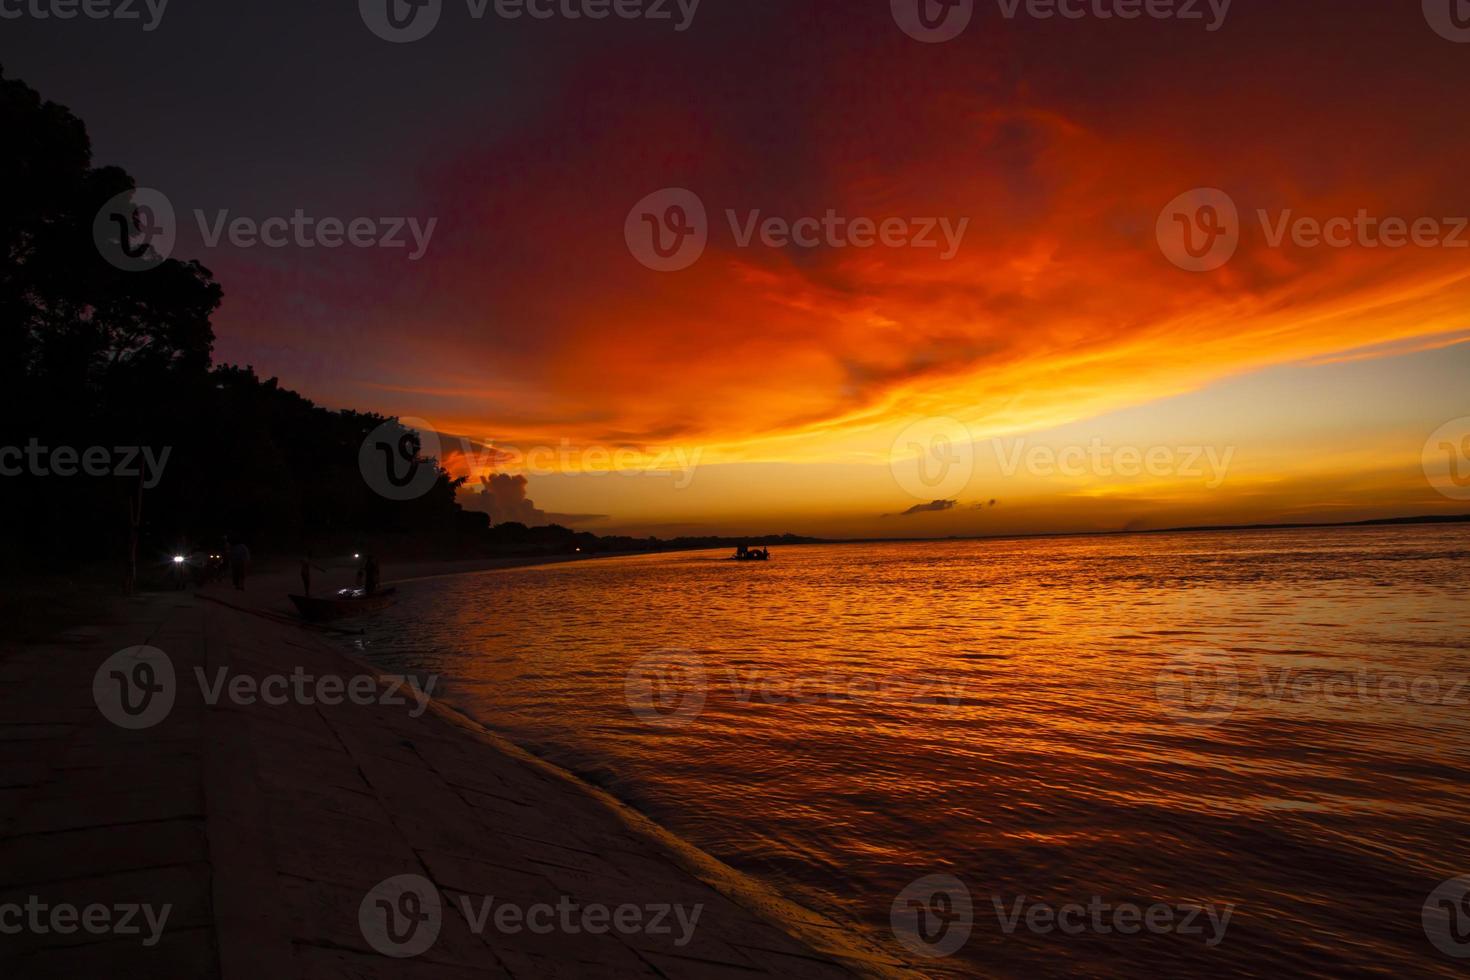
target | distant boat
[
  {"x": 743, "y": 553},
  {"x": 346, "y": 602}
]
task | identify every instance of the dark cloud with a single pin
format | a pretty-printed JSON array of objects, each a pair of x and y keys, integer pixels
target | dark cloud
[
  {"x": 929, "y": 508},
  {"x": 575, "y": 521},
  {"x": 503, "y": 497},
  {"x": 939, "y": 506}
]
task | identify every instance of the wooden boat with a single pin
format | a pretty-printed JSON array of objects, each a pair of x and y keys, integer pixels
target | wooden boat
[
  {"x": 743, "y": 553},
  {"x": 346, "y": 602}
]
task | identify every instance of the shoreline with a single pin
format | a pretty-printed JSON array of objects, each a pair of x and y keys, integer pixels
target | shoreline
[
  {"x": 492, "y": 564},
  {"x": 824, "y": 935},
  {"x": 265, "y": 826}
]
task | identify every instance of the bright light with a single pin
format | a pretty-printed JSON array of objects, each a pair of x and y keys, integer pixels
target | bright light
[
  {"x": 178, "y": 559},
  {"x": 356, "y": 555}
]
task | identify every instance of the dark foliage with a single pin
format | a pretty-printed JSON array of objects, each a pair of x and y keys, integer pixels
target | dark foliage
[{"x": 94, "y": 356}]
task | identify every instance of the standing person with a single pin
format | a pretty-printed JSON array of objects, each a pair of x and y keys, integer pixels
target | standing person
[
  {"x": 306, "y": 567},
  {"x": 239, "y": 563},
  {"x": 372, "y": 574}
]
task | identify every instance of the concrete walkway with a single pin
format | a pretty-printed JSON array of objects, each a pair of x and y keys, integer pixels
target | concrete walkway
[{"x": 372, "y": 836}]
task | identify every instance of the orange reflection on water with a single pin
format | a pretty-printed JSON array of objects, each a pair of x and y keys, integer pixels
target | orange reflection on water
[{"x": 1265, "y": 720}]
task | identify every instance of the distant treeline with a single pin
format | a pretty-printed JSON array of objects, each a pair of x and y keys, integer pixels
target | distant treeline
[{"x": 104, "y": 371}]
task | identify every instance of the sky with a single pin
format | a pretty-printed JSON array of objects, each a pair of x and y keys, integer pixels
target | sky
[{"x": 1031, "y": 346}]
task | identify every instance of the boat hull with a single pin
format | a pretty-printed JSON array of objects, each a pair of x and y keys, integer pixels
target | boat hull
[{"x": 343, "y": 605}]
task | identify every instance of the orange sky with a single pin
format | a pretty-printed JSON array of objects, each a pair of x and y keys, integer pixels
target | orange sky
[{"x": 530, "y": 323}]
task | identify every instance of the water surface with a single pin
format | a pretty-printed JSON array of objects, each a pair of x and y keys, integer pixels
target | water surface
[{"x": 1272, "y": 722}]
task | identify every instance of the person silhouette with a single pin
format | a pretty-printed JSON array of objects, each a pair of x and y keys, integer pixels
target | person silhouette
[
  {"x": 306, "y": 566},
  {"x": 239, "y": 564}
]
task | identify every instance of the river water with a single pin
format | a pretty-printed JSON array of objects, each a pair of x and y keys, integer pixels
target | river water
[{"x": 1238, "y": 753}]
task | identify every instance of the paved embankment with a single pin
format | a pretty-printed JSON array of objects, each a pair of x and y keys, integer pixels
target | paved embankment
[{"x": 254, "y": 839}]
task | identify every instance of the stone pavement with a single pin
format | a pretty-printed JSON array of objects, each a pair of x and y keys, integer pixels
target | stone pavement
[{"x": 362, "y": 838}]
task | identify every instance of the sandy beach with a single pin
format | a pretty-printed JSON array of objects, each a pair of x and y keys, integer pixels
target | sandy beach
[{"x": 275, "y": 807}]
